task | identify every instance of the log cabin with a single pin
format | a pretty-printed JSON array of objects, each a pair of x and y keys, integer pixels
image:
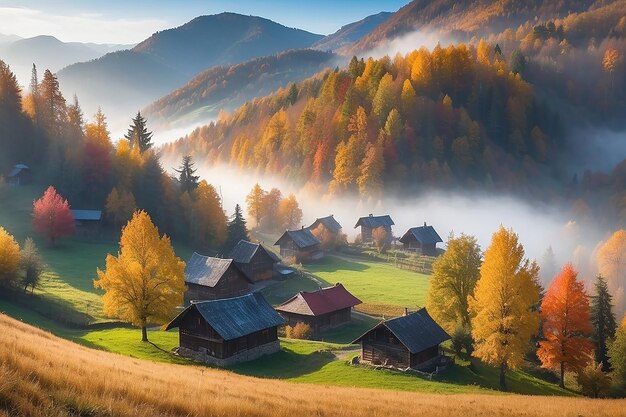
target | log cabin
[
  {"x": 87, "y": 222},
  {"x": 256, "y": 262},
  {"x": 422, "y": 240},
  {"x": 208, "y": 278},
  {"x": 410, "y": 341},
  {"x": 322, "y": 310},
  {"x": 301, "y": 245},
  {"x": 327, "y": 230},
  {"x": 227, "y": 331},
  {"x": 371, "y": 222}
]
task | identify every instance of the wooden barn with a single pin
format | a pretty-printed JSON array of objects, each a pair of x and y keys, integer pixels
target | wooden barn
[
  {"x": 208, "y": 278},
  {"x": 20, "y": 174},
  {"x": 371, "y": 222},
  {"x": 228, "y": 331},
  {"x": 87, "y": 222},
  {"x": 327, "y": 227},
  {"x": 323, "y": 310},
  {"x": 256, "y": 262},
  {"x": 410, "y": 341},
  {"x": 300, "y": 244},
  {"x": 421, "y": 239}
]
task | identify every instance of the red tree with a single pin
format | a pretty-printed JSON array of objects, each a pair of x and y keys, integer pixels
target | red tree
[
  {"x": 566, "y": 324},
  {"x": 52, "y": 216}
]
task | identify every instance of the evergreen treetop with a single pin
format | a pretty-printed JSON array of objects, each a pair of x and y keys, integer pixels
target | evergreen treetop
[{"x": 138, "y": 133}]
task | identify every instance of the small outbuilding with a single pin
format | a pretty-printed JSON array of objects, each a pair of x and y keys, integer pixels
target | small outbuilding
[
  {"x": 371, "y": 222},
  {"x": 327, "y": 227},
  {"x": 256, "y": 262},
  {"x": 208, "y": 278},
  {"x": 410, "y": 341},
  {"x": 228, "y": 331},
  {"x": 20, "y": 174},
  {"x": 301, "y": 245},
  {"x": 87, "y": 222},
  {"x": 421, "y": 239},
  {"x": 323, "y": 310}
]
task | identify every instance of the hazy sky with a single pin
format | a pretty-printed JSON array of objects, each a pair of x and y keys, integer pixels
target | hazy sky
[{"x": 130, "y": 21}]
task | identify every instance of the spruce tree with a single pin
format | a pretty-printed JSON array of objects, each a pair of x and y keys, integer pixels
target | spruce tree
[
  {"x": 603, "y": 321},
  {"x": 237, "y": 229},
  {"x": 138, "y": 133},
  {"x": 188, "y": 181}
]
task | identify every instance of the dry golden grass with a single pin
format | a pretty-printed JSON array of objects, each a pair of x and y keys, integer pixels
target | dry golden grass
[{"x": 42, "y": 375}]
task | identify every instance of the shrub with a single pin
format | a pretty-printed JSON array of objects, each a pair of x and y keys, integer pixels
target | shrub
[
  {"x": 381, "y": 239},
  {"x": 593, "y": 381},
  {"x": 462, "y": 339},
  {"x": 299, "y": 331}
]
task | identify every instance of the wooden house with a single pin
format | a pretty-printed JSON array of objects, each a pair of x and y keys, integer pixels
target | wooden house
[
  {"x": 328, "y": 228},
  {"x": 208, "y": 278},
  {"x": 371, "y": 222},
  {"x": 228, "y": 331},
  {"x": 301, "y": 245},
  {"x": 323, "y": 310},
  {"x": 410, "y": 341},
  {"x": 19, "y": 175},
  {"x": 421, "y": 239},
  {"x": 256, "y": 262},
  {"x": 87, "y": 222}
]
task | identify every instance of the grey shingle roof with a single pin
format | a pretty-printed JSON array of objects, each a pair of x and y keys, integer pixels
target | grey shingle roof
[
  {"x": 416, "y": 331},
  {"x": 374, "y": 221},
  {"x": 303, "y": 238},
  {"x": 244, "y": 251},
  {"x": 329, "y": 223},
  {"x": 423, "y": 234},
  {"x": 87, "y": 214},
  {"x": 235, "y": 317},
  {"x": 204, "y": 270},
  {"x": 16, "y": 170}
]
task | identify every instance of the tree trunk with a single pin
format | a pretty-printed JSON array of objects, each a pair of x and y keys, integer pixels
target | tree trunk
[
  {"x": 562, "y": 380},
  {"x": 503, "y": 377},
  {"x": 144, "y": 333}
]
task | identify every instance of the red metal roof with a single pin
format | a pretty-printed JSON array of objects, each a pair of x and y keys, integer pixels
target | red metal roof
[{"x": 323, "y": 301}]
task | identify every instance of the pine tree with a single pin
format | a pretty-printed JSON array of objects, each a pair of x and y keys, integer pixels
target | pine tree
[
  {"x": 603, "y": 321},
  {"x": 53, "y": 110},
  {"x": 34, "y": 92},
  {"x": 138, "y": 133},
  {"x": 237, "y": 229},
  {"x": 188, "y": 181},
  {"x": 75, "y": 121}
]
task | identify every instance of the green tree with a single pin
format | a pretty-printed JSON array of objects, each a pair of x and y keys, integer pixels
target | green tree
[
  {"x": 455, "y": 274},
  {"x": 602, "y": 320},
  {"x": 237, "y": 229},
  {"x": 138, "y": 133},
  {"x": 617, "y": 355},
  {"x": 32, "y": 265},
  {"x": 188, "y": 181},
  {"x": 517, "y": 62},
  {"x": 53, "y": 107}
]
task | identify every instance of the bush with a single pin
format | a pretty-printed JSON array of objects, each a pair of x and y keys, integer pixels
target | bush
[
  {"x": 299, "y": 331},
  {"x": 593, "y": 381},
  {"x": 462, "y": 340}
]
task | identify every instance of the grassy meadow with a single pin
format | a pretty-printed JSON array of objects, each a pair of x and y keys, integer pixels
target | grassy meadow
[{"x": 43, "y": 375}]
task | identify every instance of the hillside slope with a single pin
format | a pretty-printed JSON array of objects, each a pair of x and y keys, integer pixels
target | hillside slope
[
  {"x": 228, "y": 87},
  {"x": 351, "y": 33},
  {"x": 123, "y": 82},
  {"x": 42, "y": 375},
  {"x": 463, "y": 18}
]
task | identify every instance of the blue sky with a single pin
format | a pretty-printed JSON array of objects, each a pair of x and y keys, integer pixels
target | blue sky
[{"x": 130, "y": 21}]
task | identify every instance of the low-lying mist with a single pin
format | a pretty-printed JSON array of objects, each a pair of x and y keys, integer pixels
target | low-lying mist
[{"x": 539, "y": 226}]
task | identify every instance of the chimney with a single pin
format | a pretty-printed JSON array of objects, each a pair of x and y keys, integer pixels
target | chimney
[
  {"x": 424, "y": 224},
  {"x": 371, "y": 215},
  {"x": 406, "y": 311}
]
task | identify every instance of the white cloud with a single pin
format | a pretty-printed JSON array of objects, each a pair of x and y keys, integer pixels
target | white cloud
[{"x": 83, "y": 27}]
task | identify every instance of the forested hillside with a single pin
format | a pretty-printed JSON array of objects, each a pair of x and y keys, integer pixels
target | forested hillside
[
  {"x": 351, "y": 33},
  {"x": 228, "y": 87}
]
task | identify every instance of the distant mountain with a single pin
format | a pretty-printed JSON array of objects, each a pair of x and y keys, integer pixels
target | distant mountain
[
  {"x": 8, "y": 38},
  {"x": 228, "y": 87},
  {"x": 463, "y": 18},
  {"x": 351, "y": 33},
  {"x": 48, "y": 52},
  {"x": 123, "y": 82}
]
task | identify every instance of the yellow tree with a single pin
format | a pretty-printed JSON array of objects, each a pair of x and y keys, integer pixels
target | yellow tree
[
  {"x": 612, "y": 265},
  {"x": 145, "y": 282},
  {"x": 120, "y": 206},
  {"x": 503, "y": 304},
  {"x": 455, "y": 274},
  {"x": 371, "y": 169},
  {"x": 9, "y": 258},
  {"x": 408, "y": 97},
  {"x": 566, "y": 325},
  {"x": 255, "y": 203},
  {"x": 289, "y": 212},
  {"x": 209, "y": 220},
  {"x": 610, "y": 61}
]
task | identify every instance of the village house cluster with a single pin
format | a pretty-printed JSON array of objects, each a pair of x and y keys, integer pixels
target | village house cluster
[{"x": 227, "y": 319}]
